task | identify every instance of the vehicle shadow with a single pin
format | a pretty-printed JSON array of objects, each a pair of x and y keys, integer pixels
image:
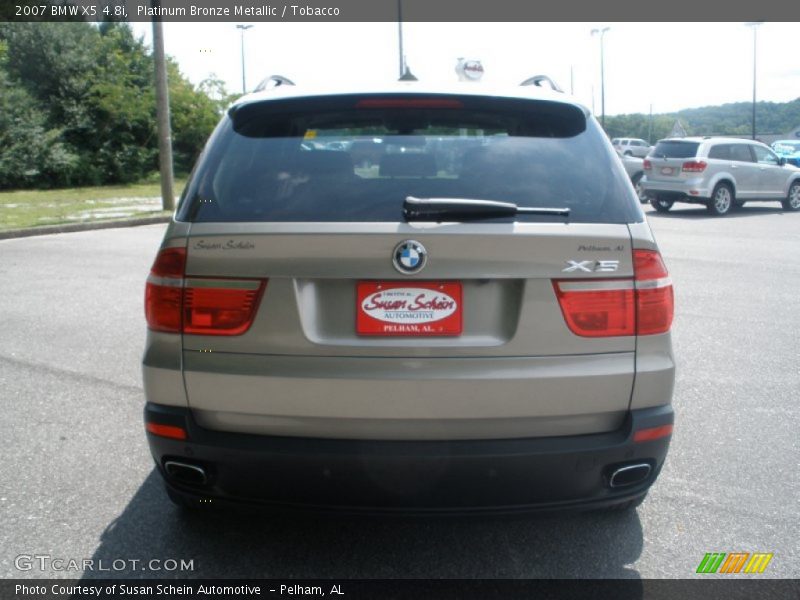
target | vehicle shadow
[
  {"x": 235, "y": 544},
  {"x": 699, "y": 212}
]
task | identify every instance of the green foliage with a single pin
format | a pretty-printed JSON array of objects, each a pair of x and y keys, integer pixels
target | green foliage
[
  {"x": 77, "y": 107},
  {"x": 727, "y": 119}
]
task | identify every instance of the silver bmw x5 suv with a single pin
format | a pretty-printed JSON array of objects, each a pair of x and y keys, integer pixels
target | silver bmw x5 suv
[{"x": 406, "y": 298}]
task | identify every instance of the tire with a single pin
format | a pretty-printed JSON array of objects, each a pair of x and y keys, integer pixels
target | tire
[
  {"x": 792, "y": 202},
  {"x": 661, "y": 204},
  {"x": 628, "y": 153},
  {"x": 722, "y": 200},
  {"x": 637, "y": 185}
]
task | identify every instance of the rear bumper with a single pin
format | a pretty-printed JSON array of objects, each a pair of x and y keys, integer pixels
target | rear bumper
[
  {"x": 684, "y": 190},
  {"x": 409, "y": 476}
]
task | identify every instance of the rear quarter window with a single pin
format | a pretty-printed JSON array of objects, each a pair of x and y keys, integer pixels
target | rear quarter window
[{"x": 356, "y": 158}]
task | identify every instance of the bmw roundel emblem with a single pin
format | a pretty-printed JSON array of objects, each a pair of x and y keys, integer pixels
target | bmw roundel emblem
[{"x": 409, "y": 257}]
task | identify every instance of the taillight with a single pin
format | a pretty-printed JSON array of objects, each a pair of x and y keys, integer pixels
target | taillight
[
  {"x": 694, "y": 166},
  {"x": 655, "y": 303},
  {"x": 620, "y": 307},
  {"x": 409, "y": 103},
  {"x": 597, "y": 309},
  {"x": 201, "y": 306},
  {"x": 220, "y": 307},
  {"x": 647, "y": 165},
  {"x": 163, "y": 292}
]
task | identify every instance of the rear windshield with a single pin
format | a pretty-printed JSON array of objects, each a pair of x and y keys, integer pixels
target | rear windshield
[
  {"x": 352, "y": 158},
  {"x": 675, "y": 149}
]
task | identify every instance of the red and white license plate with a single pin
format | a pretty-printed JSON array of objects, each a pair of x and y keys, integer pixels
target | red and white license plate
[{"x": 415, "y": 308}]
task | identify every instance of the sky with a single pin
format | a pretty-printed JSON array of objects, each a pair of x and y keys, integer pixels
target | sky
[{"x": 667, "y": 65}]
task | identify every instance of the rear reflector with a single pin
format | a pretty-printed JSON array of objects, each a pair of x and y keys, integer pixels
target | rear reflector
[
  {"x": 167, "y": 431},
  {"x": 409, "y": 103},
  {"x": 642, "y": 305},
  {"x": 207, "y": 306},
  {"x": 653, "y": 433}
]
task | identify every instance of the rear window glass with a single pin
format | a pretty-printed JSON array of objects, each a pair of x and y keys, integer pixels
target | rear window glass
[
  {"x": 675, "y": 149},
  {"x": 353, "y": 158}
]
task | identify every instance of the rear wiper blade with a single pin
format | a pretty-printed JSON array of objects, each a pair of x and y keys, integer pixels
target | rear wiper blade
[{"x": 462, "y": 209}]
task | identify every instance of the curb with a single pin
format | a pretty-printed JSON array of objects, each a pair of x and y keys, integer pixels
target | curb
[{"x": 72, "y": 227}]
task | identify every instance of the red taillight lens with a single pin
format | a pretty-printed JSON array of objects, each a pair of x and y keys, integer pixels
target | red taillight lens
[
  {"x": 409, "y": 103},
  {"x": 167, "y": 431},
  {"x": 694, "y": 166},
  {"x": 655, "y": 303},
  {"x": 647, "y": 165},
  {"x": 162, "y": 297},
  {"x": 208, "y": 306},
  {"x": 220, "y": 310},
  {"x": 619, "y": 307},
  {"x": 162, "y": 307},
  {"x": 653, "y": 433},
  {"x": 597, "y": 312},
  {"x": 170, "y": 262}
]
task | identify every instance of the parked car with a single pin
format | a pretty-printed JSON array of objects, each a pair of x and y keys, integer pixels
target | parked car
[
  {"x": 632, "y": 146},
  {"x": 487, "y": 331},
  {"x": 635, "y": 168},
  {"x": 788, "y": 149},
  {"x": 720, "y": 173}
]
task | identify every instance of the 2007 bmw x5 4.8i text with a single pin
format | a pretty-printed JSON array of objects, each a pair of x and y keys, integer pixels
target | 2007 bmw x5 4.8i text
[{"x": 409, "y": 298}]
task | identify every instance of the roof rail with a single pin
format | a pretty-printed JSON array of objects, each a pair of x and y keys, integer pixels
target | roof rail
[
  {"x": 273, "y": 81},
  {"x": 538, "y": 80}
]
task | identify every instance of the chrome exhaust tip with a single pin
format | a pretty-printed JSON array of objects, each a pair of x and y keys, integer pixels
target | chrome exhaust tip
[
  {"x": 186, "y": 473},
  {"x": 629, "y": 475}
]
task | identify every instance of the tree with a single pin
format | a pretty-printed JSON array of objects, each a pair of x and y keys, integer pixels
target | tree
[{"x": 81, "y": 100}]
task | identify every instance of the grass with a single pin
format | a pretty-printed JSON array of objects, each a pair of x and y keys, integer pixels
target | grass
[{"x": 31, "y": 208}]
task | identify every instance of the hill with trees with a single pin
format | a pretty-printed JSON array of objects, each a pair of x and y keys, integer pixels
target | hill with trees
[{"x": 727, "y": 119}]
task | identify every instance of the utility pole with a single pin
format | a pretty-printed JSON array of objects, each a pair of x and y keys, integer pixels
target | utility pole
[
  {"x": 650, "y": 126},
  {"x": 754, "y": 25},
  {"x": 602, "y": 33},
  {"x": 243, "y": 28},
  {"x": 400, "y": 37},
  {"x": 162, "y": 113}
]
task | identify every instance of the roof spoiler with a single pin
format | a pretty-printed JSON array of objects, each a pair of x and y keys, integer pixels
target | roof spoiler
[
  {"x": 538, "y": 80},
  {"x": 273, "y": 81}
]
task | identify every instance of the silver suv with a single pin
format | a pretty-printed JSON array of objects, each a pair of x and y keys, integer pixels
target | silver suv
[
  {"x": 460, "y": 320},
  {"x": 632, "y": 147},
  {"x": 720, "y": 173}
]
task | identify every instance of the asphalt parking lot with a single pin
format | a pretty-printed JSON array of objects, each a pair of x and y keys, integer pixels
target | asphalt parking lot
[{"x": 78, "y": 481}]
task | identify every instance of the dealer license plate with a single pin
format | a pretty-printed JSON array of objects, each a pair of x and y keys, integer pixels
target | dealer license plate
[{"x": 416, "y": 308}]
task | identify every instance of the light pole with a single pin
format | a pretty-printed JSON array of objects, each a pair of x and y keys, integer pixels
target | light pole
[
  {"x": 754, "y": 25},
  {"x": 400, "y": 37},
  {"x": 602, "y": 33},
  {"x": 243, "y": 28}
]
